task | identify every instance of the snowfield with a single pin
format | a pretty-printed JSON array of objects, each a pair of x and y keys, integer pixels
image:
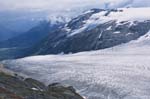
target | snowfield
[
  {"x": 121, "y": 72},
  {"x": 122, "y": 14}
]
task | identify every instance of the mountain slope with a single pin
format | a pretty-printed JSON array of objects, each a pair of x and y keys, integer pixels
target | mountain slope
[{"x": 97, "y": 29}]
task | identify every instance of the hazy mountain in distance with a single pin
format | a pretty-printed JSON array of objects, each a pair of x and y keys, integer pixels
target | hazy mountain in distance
[
  {"x": 32, "y": 36},
  {"x": 6, "y": 33},
  {"x": 13, "y": 23}
]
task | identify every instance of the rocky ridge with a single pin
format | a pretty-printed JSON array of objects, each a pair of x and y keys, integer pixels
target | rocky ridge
[{"x": 13, "y": 86}]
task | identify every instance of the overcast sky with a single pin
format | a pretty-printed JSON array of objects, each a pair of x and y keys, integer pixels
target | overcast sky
[
  {"x": 66, "y": 7},
  {"x": 67, "y": 4},
  {"x": 41, "y": 9}
]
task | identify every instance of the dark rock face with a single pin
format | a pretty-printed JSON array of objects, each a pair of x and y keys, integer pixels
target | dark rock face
[{"x": 14, "y": 87}]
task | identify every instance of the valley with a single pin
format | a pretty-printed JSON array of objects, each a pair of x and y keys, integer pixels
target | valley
[{"x": 102, "y": 53}]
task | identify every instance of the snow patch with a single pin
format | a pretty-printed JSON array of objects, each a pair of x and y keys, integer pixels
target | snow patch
[
  {"x": 109, "y": 28},
  {"x": 35, "y": 89},
  {"x": 117, "y": 32}
]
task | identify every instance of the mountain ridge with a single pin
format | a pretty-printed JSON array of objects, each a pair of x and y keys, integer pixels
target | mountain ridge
[{"x": 97, "y": 29}]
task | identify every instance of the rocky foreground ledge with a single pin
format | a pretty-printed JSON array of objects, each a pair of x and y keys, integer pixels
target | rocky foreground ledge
[{"x": 17, "y": 87}]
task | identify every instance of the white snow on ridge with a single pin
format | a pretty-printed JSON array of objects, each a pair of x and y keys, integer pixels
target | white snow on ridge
[
  {"x": 120, "y": 15},
  {"x": 123, "y": 14}
]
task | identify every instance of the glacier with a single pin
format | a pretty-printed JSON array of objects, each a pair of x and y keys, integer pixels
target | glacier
[{"x": 121, "y": 72}]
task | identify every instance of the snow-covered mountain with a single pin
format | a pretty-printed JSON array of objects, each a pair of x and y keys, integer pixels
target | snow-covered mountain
[
  {"x": 93, "y": 30},
  {"x": 97, "y": 29},
  {"x": 120, "y": 72}
]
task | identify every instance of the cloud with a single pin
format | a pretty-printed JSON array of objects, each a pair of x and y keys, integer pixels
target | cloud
[
  {"x": 68, "y": 5},
  {"x": 47, "y": 4}
]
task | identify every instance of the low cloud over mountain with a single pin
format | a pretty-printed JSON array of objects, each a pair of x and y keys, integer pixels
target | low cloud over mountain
[{"x": 67, "y": 5}]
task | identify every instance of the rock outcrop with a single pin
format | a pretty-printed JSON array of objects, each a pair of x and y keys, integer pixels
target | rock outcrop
[{"x": 16, "y": 87}]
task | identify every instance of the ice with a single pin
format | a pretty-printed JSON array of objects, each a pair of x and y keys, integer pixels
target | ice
[
  {"x": 109, "y": 28},
  {"x": 117, "y": 32},
  {"x": 96, "y": 74},
  {"x": 121, "y": 72}
]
